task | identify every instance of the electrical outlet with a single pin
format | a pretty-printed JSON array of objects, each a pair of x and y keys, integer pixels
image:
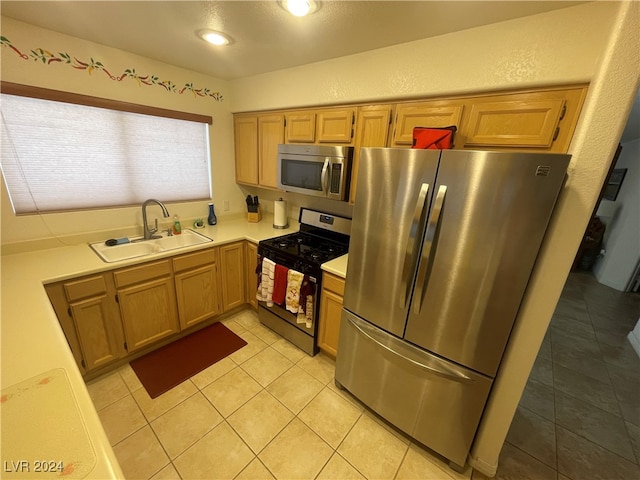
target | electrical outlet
[{"x": 226, "y": 205}]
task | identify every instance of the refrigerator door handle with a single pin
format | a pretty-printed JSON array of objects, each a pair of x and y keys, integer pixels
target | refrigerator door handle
[
  {"x": 323, "y": 175},
  {"x": 417, "y": 226},
  {"x": 428, "y": 250},
  {"x": 410, "y": 353}
]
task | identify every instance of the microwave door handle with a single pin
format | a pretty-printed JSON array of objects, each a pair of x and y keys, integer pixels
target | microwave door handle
[
  {"x": 429, "y": 248},
  {"x": 325, "y": 170}
]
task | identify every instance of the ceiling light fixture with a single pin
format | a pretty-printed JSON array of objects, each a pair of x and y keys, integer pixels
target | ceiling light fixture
[
  {"x": 300, "y": 8},
  {"x": 213, "y": 37}
]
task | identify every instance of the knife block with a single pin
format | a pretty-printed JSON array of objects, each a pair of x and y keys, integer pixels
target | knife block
[{"x": 254, "y": 217}]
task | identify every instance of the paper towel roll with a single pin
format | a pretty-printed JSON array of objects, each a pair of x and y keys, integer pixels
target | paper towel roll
[{"x": 280, "y": 219}]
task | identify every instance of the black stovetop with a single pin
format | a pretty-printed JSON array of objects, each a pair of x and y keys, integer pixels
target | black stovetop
[
  {"x": 306, "y": 247},
  {"x": 305, "y": 250}
]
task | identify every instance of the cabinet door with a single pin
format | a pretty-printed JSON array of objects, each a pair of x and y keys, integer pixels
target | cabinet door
[
  {"x": 148, "y": 312},
  {"x": 300, "y": 127},
  {"x": 246, "y": 149},
  {"x": 270, "y": 135},
  {"x": 372, "y": 130},
  {"x": 330, "y": 313},
  {"x": 197, "y": 295},
  {"x": 94, "y": 328},
  {"x": 336, "y": 126},
  {"x": 329, "y": 326},
  {"x": 437, "y": 113},
  {"x": 539, "y": 120},
  {"x": 251, "y": 262},
  {"x": 233, "y": 284},
  {"x": 514, "y": 122}
]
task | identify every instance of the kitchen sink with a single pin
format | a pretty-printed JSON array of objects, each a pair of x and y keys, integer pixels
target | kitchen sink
[{"x": 138, "y": 247}]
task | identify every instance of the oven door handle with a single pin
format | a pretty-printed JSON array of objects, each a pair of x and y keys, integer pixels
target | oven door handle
[{"x": 325, "y": 169}]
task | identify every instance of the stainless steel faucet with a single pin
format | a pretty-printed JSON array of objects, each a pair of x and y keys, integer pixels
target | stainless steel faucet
[{"x": 149, "y": 232}]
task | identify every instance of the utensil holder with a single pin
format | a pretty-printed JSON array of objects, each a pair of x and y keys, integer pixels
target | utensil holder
[{"x": 254, "y": 217}]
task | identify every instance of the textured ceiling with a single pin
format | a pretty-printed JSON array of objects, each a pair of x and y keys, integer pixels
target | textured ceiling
[{"x": 265, "y": 37}]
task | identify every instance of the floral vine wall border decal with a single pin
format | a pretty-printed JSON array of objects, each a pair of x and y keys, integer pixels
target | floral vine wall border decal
[{"x": 46, "y": 57}]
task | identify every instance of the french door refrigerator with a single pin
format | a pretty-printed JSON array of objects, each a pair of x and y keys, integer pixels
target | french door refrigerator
[{"x": 442, "y": 247}]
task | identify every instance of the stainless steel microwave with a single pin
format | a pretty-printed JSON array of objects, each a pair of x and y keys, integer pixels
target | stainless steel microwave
[{"x": 319, "y": 170}]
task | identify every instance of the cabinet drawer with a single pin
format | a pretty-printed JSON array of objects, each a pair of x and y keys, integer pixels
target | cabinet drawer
[
  {"x": 196, "y": 259},
  {"x": 86, "y": 287},
  {"x": 333, "y": 284},
  {"x": 141, "y": 273}
]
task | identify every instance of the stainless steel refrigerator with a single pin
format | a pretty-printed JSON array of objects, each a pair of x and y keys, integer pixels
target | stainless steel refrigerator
[{"x": 442, "y": 247}]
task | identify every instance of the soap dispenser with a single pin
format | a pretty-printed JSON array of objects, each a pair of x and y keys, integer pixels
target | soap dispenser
[
  {"x": 177, "y": 228},
  {"x": 212, "y": 220}
]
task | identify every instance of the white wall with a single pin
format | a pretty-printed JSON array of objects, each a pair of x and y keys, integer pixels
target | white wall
[{"x": 622, "y": 246}]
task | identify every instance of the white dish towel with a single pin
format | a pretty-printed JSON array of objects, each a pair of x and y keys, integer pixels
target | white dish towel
[
  {"x": 294, "y": 282},
  {"x": 265, "y": 291}
]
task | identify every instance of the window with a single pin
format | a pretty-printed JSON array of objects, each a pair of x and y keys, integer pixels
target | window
[{"x": 60, "y": 156}]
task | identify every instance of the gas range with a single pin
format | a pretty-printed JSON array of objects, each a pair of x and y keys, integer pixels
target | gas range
[{"x": 322, "y": 237}]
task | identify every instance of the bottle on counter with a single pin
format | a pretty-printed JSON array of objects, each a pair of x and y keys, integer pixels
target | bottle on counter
[
  {"x": 177, "y": 228},
  {"x": 212, "y": 220}
]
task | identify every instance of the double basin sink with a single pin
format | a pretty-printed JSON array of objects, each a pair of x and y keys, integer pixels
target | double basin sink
[{"x": 138, "y": 247}]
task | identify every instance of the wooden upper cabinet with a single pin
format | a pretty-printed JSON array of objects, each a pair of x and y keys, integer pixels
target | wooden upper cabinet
[
  {"x": 329, "y": 125},
  {"x": 246, "y": 148},
  {"x": 514, "y": 123},
  {"x": 372, "y": 130},
  {"x": 539, "y": 120},
  {"x": 301, "y": 127},
  {"x": 436, "y": 113},
  {"x": 270, "y": 135},
  {"x": 336, "y": 126}
]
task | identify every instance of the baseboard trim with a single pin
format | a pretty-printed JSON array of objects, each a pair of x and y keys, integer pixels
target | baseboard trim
[{"x": 483, "y": 467}]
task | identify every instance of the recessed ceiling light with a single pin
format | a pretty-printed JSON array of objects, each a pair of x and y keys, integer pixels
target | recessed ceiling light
[
  {"x": 213, "y": 37},
  {"x": 300, "y": 8}
]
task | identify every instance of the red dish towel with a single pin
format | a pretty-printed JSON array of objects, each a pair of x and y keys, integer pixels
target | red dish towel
[{"x": 280, "y": 284}]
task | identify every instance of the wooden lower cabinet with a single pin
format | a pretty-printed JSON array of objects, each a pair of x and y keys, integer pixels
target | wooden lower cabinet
[
  {"x": 147, "y": 299},
  {"x": 251, "y": 263},
  {"x": 89, "y": 318},
  {"x": 108, "y": 316},
  {"x": 330, "y": 313},
  {"x": 233, "y": 276},
  {"x": 197, "y": 286}
]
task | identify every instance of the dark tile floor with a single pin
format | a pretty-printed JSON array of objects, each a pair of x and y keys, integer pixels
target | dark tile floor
[{"x": 579, "y": 416}]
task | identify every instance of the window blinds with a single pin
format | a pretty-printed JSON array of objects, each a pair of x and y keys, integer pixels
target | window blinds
[{"x": 59, "y": 156}]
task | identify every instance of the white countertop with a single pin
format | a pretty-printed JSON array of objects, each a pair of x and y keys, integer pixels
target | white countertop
[
  {"x": 32, "y": 341},
  {"x": 337, "y": 266}
]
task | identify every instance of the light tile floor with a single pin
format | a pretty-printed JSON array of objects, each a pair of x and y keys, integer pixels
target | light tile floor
[
  {"x": 579, "y": 416},
  {"x": 271, "y": 411},
  {"x": 267, "y": 411}
]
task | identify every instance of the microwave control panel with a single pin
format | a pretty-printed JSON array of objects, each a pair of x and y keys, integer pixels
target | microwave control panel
[{"x": 336, "y": 177}]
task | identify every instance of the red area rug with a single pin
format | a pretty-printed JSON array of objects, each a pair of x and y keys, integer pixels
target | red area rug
[{"x": 163, "y": 369}]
